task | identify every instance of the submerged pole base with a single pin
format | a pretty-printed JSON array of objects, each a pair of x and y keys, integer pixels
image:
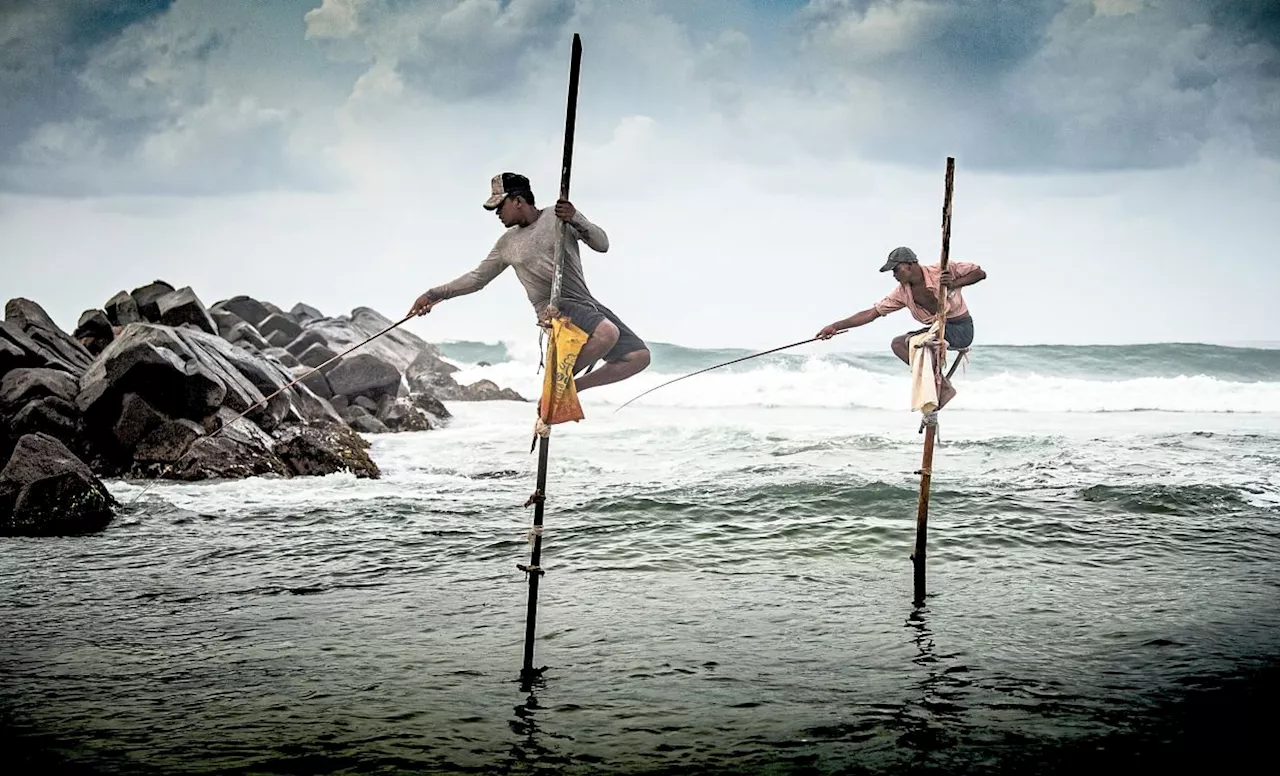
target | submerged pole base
[
  {"x": 918, "y": 564},
  {"x": 531, "y": 677}
]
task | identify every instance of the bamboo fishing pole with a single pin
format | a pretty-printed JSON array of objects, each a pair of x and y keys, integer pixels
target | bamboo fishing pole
[
  {"x": 926, "y": 466},
  {"x": 534, "y": 569}
]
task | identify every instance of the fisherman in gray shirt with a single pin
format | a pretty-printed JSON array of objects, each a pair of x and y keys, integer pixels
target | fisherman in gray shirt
[{"x": 528, "y": 245}]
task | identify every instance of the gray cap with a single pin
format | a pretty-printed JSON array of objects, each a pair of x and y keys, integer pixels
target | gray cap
[{"x": 901, "y": 255}]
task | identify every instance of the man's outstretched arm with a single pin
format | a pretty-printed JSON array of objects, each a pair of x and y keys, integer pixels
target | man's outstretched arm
[
  {"x": 469, "y": 283},
  {"x": 857, "y": 319}
]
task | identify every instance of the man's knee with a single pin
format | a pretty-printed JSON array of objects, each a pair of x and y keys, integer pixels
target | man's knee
[
  {"x": 606, "y": 333},
  {"x": 640, "y": 358},
  {"x": 901, "y": 348}
]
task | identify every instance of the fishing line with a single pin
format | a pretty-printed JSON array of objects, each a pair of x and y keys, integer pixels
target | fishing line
[{"x": 727, "y": 363}]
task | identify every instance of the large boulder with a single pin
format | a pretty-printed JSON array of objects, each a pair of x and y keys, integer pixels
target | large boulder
[
  {"x": 482, "y": 390},
  {"x": 305, "y": 340},
  {"x": 283, "y": 356},
  {"x": 33, "y": 321},
  {"x": 397, "y": 347},
  {"x": 168, "y": 442},
  {"x": 94, "y": 331},
  {"x": 50, "y": 415},
  {"x": 122, "y": 310},
  {"x": 225, "y": 458},
  {"x": 303, "y": 312},
  {"x": 278, "y": 339},
  {"x": 137, "y": 419},
  {"x": 244, "y": 335},
  {"x": 147, "y": 298},
  {"x": 403, "y": 414},
  {"x": 431, "y": 405},
  {"x": 190, "y": 374},
  {"x": 38, "y": 400},
  {"x": 251, "y": 378},
  {"x": 429, "y": 373},
  {"x": 268, "y": 375},
  {"x": 45, "y": 490},
  {"x": 363, "y": 374},
  {"x": 183, "y": 306},
  {"x": 279, "y": 327},
  {"x": 18, "y": 350},
  {"x": 247, "y": 308},
  {"x": 419, "y": 362},
  {"x": 325, "y": 449},
  {"x": 12, "y": 356},
  {"x": 314, "y": 380},
  {"x": 153, "y": 362},
  {"x": 366, "y": 423},
  {"x": 226, "y": 321},
  {"x": 318, "y": 356},
  {"x": 182, "y": 450},
  {"x": 22, "y": 385}
]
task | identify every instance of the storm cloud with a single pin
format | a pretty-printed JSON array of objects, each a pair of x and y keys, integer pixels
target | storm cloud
[
  {"x": 183, "y": 97},
  {"x": 1062, "y": 85}
]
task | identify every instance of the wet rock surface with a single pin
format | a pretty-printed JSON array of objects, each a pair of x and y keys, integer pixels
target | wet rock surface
[
  {"x": 45, "y": 490},
  {"x": 154, "y": 384}
]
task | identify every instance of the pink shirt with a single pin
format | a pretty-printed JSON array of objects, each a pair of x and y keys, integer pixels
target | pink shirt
[{"x": 901, "y": 297}]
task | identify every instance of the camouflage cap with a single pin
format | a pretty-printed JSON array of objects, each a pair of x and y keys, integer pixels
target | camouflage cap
[
  {"x": 504, "y": 185},
  {"x": 900, "y": 255}
]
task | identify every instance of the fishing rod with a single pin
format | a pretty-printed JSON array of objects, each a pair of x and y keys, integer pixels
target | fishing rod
[
  {"x": 727, "y": 363},
  {"x": 281, "y": 390}
]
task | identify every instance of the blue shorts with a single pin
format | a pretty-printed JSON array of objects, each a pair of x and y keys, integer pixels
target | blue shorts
[{"x": 959, "y": 332}]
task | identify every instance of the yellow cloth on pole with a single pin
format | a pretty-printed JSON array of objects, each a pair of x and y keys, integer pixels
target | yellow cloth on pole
[
  {"x": 924, "y": 389},
  {"x": 559, "y": 393}
]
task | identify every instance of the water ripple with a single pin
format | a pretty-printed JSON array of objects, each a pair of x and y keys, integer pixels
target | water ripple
[{"x": 716, "y": 600}]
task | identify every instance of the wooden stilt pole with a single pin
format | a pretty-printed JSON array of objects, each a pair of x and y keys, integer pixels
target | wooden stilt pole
[
  {"x": 931, "y": 431},
  {"x": 534, "y": 569}
]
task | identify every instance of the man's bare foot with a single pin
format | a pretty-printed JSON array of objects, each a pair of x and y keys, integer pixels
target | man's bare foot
[{"x": 946, "y": 393}]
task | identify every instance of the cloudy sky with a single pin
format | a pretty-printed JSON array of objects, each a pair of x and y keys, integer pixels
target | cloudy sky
[{"x": 1117, "y": 161}]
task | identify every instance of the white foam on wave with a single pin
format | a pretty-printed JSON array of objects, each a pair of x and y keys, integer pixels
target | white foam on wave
[{"x": 820, "y": 382}]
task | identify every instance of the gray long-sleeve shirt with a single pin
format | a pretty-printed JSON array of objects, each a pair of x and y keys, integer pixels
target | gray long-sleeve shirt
[{"x": 531, "y": 250}]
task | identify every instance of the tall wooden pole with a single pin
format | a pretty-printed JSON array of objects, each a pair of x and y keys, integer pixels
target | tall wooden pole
[
  {"x": 534, "y": 569},
  {"x": 931, "y": 430}
]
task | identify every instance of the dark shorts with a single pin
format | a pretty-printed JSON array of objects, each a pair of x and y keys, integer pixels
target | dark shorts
[
  {"x": 958, "y": 334},
  {"x": 588, "y": 315}
]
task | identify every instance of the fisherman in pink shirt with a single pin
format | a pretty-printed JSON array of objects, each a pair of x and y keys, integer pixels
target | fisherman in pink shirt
[{"x": 918, "y": 292}]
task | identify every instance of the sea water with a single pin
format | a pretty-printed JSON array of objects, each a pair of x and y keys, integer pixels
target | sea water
[{"x": 727, "y": 587}]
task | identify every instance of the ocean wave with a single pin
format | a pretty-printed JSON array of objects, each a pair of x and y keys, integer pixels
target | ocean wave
[
  {"x": 1197, "y": 499},
  {"x": 831, "y": 382},
  {"x": 468, "y": 353},
  {"x": 1097, "y": 362}
]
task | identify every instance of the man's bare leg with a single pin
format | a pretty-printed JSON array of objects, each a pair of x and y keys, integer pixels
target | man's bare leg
[
  {"x": 946, "y": 393},
  {"x": 599, "y": 342},
  {"x": 901, "y": 348},
  {"x": 631, "y": 364}
]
